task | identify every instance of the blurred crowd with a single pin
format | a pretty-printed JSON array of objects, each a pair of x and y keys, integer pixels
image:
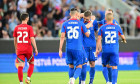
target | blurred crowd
[{"x": 47, "y": 16}]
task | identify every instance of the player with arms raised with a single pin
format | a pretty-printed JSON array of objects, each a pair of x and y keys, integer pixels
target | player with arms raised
[
  {"x": 109, "y": 33},
  {"x": 74, "y": 30},
  {"x": 23, "y": 37}
]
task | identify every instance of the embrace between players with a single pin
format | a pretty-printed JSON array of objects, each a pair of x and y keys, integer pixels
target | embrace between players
[{"x": 80, "y": 31}]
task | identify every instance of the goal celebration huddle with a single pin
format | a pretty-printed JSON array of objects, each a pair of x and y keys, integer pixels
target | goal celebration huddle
[{"x": 80, "y": 31}]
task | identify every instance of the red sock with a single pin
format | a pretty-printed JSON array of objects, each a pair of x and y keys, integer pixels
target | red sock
[
  {"x": 30, "y": 70},
  {"x": 20, "y": 73}
]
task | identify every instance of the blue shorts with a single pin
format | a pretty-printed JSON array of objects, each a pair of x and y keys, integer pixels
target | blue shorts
[
  {"x": 85, "y": 59},
  {"x": 111, "y": 58},
  {"x": 90, "y": 53},
  {"x": 74, "y": 57}
]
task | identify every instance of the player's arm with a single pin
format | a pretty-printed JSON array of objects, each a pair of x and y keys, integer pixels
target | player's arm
[
  {"x": 62, "y": 38},
  {"x": 84, "y": 29},
  {"x": 34, "y": 45},
  {"x": 98, "y": 45},
  {"x": 121, "y": 35},
  {"x": 45, "y": 2},
  {"x": 15, "y": 44},
  {"x": 90, "y": 24}
]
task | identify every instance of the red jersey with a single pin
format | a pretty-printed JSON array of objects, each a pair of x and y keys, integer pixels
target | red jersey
[{"x": 23, "y": 32}]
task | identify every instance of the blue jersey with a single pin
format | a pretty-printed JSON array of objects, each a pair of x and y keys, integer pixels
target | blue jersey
[
  {"x": 110, "y": 37},
  {"x": 74, "y": 30},
  {"x": 90, "y": 41},
  {"x": 102, "y": 22}
]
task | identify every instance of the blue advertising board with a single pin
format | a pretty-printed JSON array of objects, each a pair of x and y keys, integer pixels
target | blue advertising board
[{"x": 50, "y": 62}]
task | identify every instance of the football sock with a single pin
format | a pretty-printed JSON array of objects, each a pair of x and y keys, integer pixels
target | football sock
[
  {"x": 114, "y": 75},
  {"x": 110, "y": 74},
  {"x": 20, "y": 73},
  {"x": 71, "y": 72},
  {"x": 105, "y": 73},
  {"x": 83, "y": 82},
  {"x": 82, "y": 77},
  {"x": 21, "y": 82},
  {"x": 92, "y": 73},
  {"x": 83, "y": 72},
  {"x": 77, "y": 73},
  {"x": 30, "y": 70}
]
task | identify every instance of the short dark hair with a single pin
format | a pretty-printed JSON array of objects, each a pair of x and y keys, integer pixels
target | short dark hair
[
  {"x": 87, "y": 13},
  {"x": 110, "y": 10},
  {"x": 24, "y": 16},
  {"x": 74, "y": 9}
]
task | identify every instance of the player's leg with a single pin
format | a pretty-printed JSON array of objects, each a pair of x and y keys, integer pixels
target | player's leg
[
  {"x": 77, "y": 56},
  {"x": 109, "y": 73},
  {"x": 105, "y": 60},
  {"x": 114, "y": 61},
  {"x": 20, "y": 62},
  {"x": 92, "y": 71},
  {"x": 30, "y": 60},
  {"x": 82, "y": 77},
  {"x": 92, "y": 59}
]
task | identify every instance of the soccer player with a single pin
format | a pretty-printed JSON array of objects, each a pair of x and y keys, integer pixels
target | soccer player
[
  {"x": 74, "y": 30},
  {"x": 107, "y": 69},
  {"x": 23, "y": 37},
  {"x": 109, "y": 33},
  {"x": 90, "y": 47}
]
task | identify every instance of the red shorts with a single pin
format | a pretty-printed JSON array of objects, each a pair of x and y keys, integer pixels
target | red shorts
[{"x": 21, "y": 57}]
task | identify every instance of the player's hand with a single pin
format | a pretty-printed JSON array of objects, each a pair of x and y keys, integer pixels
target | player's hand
[
  {"x": 60, "y": 53},
  {"x": 36, "y": 52},
  {"x": 96, "y": 53},
  {"x": 124, "y": 41}
]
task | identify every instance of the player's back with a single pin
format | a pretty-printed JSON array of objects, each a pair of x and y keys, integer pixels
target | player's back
[
  {"x": 23, "y": 32},
  {"x": 102, "y": 22},
  {"x": 110, "y": 37},
  {"x": 74, "y": 34}
]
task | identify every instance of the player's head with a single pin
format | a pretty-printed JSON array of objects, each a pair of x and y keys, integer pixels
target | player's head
[
  {"x": 74, "y": 12},
  {"x": 108, "y": 11},
  {"x": 24, "y": 17},
  {"x": 109, "y": 17},
  {"x": 87, "y": 15}
]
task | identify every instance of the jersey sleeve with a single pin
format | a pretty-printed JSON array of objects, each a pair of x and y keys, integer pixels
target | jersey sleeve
[
  {"x": 15, "y": 32},
  {"x": 100, "y": 31},
  {"x": 63, "y": 29},
  {"x": 120, "y": 30},
  {"x": 31, "y": 32},
  {"x": 84, "y": 29},
  {"x": 95, "y": 25}
]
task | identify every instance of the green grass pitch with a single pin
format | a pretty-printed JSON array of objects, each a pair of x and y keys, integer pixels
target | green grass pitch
[{"x": 124, "y": 77}]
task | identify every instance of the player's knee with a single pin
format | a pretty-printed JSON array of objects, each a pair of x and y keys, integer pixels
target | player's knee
[
  {"x": 92, "y": 63},
  {"x": 79, "y": 66},
  {"x": 71, "y": 66},
  {"x": 31, "y": 62},
  {"x": 114, "y": 67},
  {"x": 108, "y": 66},
  {"x": 21, "y": 64},
  {"x": 104, "y": 65}
]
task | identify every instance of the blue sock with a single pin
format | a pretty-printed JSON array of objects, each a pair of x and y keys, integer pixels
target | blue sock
[
  {"x": 82, "y": 77},
  {"x": 105, "y": 73},
  {"x": 110, "y": 74},
  {"x": 77, "y": 73},
  {"x": 114, "y": 75},
  {"x": 92, "y": 73},
  {"x": 71, "y": 72}
]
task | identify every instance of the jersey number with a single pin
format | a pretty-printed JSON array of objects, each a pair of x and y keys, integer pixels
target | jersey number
[
  {"x": 73, "y": 33},
  {"x": 20, "y": 35},
  {"x": 113, "y": 33}
]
